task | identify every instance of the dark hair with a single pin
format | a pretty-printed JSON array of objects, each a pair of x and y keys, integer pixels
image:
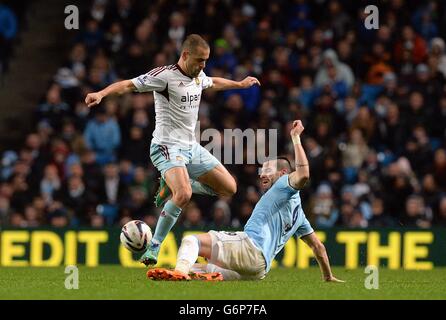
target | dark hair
[{"x": 284, "y": 164}]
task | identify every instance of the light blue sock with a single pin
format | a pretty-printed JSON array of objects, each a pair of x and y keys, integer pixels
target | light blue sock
[
  {"x": 201, "y": 188},
  {"x": 166, "y": 221}
]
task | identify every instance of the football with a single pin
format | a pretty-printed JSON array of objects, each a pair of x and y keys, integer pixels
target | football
[{"x": 136, "y": 236}]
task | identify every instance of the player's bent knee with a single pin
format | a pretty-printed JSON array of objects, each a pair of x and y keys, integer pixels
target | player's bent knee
[
  {"x": 233, "y": 188},
  {"x": 182, "y": 196},
  {"x": 230, "y": 188}
]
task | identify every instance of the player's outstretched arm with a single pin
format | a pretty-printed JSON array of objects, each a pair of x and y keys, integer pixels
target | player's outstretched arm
[
  {"x": 301, "y": 175},
  {"x": 321, "y": 256},
  {"x": 226, "y": 84},
  {"x": 120, "y": 87}
]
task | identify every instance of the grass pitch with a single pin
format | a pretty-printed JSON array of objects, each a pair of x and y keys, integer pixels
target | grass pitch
[{"x": 115, "y": 282}]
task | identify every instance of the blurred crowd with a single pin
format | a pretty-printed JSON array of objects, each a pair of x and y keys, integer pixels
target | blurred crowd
[
  {"x": 373, "y": 103},
  {"x": 12, "y": 20}
]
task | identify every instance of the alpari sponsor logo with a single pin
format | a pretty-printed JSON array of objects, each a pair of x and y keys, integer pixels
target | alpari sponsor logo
[{"x": 190, "y": 98}]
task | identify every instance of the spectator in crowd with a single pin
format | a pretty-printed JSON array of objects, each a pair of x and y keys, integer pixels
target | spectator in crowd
[
  {"x": 439, "y": 167},
  {"x": 437, "y": 50},
  {"x": 423, "y": 21},
  {"x": 193, "y": 217},
  {"x": 17, "y": 220},
  {"x": 250, "y": 96},
  {"x": 7, "y": 164},
  {"x": 132, "y": 148},
  {"x": 97, "y": 221},
  {"x": 103, "y": 136},
  {"x": 8, "y": 32},
  {"x": 410, "y": 46},
  {"x": 138, "y": 206},
  {"x": 354, "y": 154},
  {"x": 77, "y": 199},
  {"x": 416, "y": 213},
  {"x": 440, "y": 215},
  {"x": 140, "y": 180},
  {"x": 5, "y": 210},
  {"x": 243, "y": 216},
  {"x": 32, "y": 217},
  {"x": 332, "y": 69},
  {"x": 50, "y": 183},
  {"x": 357, "y": 220},
  {"x": 379, "y": 216},
  {"x": 112, "y": 189},
  {"x": 324, "y": 207},
  {"x": 58, "y": 218},
  {"x": 54, "y": 109},
  {"x": 429, "y": 191},
  {"x": 221, "y": 215}
]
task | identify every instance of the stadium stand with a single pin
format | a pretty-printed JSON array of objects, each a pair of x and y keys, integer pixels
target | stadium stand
[{"x": 373, "y": 103}]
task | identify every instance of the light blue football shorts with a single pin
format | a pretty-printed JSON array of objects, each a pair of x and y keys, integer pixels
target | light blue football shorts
[{"x": 196, "y": 159}]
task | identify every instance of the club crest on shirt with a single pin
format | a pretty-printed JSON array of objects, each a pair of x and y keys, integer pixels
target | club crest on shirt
[
  {"x": 144, "y": 80},
  {"x": 197, "y": 81}
]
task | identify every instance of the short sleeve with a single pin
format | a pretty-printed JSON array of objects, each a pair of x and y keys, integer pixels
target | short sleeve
[
  {"x": 153, "y": 80},
  {"x": 206, "y": 82},
  {"x": 283, "y": 185},
  {"x": 304, "y": 229}
]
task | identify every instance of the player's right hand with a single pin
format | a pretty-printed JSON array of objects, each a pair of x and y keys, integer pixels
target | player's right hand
[
  {"x": 249, "y": 82},
  {"x": 297, "y": 129},
  {"x": 93, "y": 99}
]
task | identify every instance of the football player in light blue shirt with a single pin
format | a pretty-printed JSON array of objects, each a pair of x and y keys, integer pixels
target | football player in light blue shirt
[{"x": 276, "y": 218}]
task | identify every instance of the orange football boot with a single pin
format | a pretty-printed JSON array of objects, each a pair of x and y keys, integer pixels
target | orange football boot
[
  {"x": 167, "y": 275},
  {"x": 213, "y": 276}
]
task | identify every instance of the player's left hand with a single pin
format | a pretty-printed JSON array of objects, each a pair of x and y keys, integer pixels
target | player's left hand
[{"x": 249, "y": 82}]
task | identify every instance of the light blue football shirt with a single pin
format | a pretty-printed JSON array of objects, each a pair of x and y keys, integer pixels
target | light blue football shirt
[{"x": 277, "y": 216}]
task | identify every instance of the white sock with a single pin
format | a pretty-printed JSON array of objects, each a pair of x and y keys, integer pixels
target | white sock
[
  {"x": 187, "y": 254},
  {"x": 228, "y": 275},
  {"x": 199, "y": 268}
]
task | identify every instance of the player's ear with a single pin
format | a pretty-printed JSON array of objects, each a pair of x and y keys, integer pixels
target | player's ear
[
  {"x": 184, "y": 54},
  {"x": 284, "y": 171}
]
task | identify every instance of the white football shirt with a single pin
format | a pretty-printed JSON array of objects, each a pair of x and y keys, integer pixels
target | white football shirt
[{"x": 177, "y": 99}]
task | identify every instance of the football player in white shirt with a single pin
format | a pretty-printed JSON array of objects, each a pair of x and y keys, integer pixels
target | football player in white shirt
[{"x": 185, "y": 166}]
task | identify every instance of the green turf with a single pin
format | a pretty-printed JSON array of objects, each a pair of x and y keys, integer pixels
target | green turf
[{"x": 115, "y": 282}]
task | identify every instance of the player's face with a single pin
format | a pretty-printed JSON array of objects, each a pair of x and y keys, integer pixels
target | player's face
[
  {"x": 196, "y": 61},
  {"x": 269, "y": 175}
]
